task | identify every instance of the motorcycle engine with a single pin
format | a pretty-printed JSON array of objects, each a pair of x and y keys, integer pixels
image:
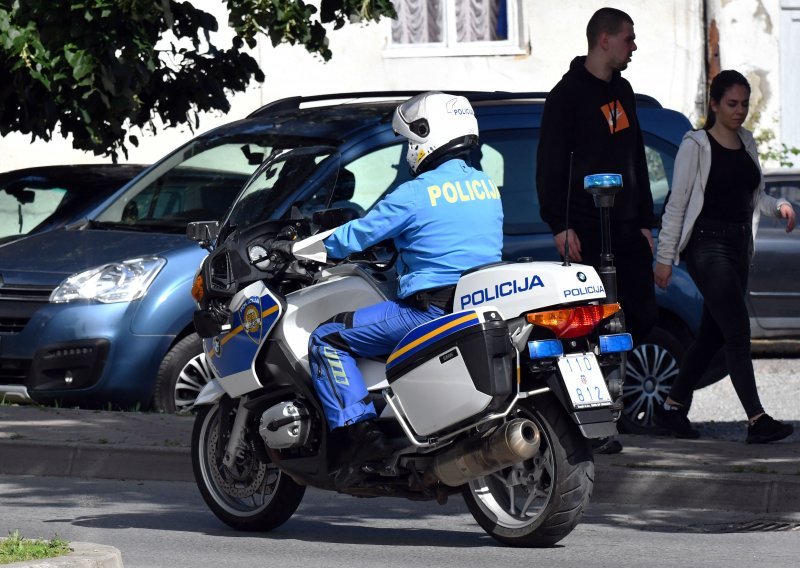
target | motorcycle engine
[{"x": 285, "y": 425}]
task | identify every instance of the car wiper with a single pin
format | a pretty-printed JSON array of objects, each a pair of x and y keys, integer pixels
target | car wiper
[
  {"x": 161, "y": 226},
  {"x": 105, "y": 226}
]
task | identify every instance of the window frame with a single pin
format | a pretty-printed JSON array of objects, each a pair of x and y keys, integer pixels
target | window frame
[{"x": 515, "y": 44}]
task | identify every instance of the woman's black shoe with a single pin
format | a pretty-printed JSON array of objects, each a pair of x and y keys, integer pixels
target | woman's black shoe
[
  {"x": 767, "y": 429},
  {"x": 676, "y": 421}
]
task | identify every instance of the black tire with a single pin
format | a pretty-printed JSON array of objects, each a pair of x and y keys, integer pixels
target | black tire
[
  {"x": 538, "y": 502},
  {"x": 182, "y": 375},
  {"x": 652, "y": 367},
  {"x": 257, "y": 496}
]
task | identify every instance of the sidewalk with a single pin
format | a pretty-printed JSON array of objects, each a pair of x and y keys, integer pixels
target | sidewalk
[{"x": 709, "y": 473}]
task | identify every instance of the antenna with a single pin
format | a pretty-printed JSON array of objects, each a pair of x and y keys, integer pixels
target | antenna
[{"x": 566, "y": 217}]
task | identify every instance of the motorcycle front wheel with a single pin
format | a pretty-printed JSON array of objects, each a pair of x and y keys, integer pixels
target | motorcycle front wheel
[
  {"x": 251, "y": 495},
  {"x": 538, "y": 502}
]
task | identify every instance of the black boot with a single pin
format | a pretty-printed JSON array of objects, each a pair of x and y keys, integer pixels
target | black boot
[{"x": 365, "y": 443}]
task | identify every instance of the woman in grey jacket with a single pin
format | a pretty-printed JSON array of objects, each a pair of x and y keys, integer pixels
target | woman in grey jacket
[{"x": 711, "y": 217}]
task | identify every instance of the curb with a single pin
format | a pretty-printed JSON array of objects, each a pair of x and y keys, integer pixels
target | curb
[
  {"x": 616, "y": 481},
  {"x": 22, "y": 457},
  {"x": 83, "y": 555},
  {"x": 675, "y": 489}
]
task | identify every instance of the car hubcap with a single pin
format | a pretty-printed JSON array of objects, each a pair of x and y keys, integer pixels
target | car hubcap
[
  {"x": 191, "y": 380},
  {"x": 650, "y": 373}
]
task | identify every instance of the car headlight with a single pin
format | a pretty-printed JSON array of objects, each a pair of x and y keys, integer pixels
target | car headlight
[{"x": 115, "y": 282}]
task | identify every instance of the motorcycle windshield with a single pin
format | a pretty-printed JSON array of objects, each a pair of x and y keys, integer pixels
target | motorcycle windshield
[{"x": 290, "y": 180}]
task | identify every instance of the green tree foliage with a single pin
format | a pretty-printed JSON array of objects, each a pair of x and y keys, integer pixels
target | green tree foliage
[{"x": 95, "y": 69}]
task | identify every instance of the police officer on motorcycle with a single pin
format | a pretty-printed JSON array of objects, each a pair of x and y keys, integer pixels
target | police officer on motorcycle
[{"x": 446, "y": 220}]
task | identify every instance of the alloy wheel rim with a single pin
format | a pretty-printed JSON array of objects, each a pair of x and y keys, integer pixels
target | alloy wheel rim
[{"x": 649, "y": 375}]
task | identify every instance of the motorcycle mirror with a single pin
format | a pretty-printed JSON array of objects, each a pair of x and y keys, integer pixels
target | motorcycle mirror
[{"x": 203, "y": 232}]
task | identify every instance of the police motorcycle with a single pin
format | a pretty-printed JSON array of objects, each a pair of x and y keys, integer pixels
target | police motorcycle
[{"x": 495, "y": 401}]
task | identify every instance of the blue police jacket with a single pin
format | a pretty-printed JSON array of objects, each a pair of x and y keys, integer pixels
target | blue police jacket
[{"x": 443, "y": 222}]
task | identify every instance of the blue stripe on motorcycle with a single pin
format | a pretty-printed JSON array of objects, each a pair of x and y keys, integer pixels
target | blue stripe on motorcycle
[{"x": 430, "y": 333}]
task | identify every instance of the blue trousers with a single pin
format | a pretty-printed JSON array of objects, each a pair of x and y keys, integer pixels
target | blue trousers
[{"x": 369, "y": 332}]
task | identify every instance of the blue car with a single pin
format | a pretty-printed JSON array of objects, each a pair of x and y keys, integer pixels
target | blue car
[{"x": 102, "y": 310}]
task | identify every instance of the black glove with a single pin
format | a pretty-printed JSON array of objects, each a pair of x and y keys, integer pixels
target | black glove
[{"x": 283, "y": 248}]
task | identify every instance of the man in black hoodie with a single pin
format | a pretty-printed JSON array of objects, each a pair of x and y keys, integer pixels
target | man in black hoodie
[{"x": 589, "y": 124}]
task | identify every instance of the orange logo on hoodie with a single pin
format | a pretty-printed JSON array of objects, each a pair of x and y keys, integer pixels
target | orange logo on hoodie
[{"x": 615, "y": 116}]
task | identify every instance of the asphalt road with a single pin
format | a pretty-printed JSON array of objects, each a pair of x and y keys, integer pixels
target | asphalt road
[{"x": 166, "y": 524}]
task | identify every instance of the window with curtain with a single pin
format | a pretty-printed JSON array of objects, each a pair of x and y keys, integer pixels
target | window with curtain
[{"x": 459, "y": 26}]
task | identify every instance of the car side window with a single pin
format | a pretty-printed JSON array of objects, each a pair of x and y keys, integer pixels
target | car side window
[
  {"x": 509, "y": 158},
  {"x": 377, "y": 173},
  {"x": 363, "y": 181},
  {"x": 782, "y": 189},
  {"x": 660, "y": 156},
  {"x": 789, "y": 190}
]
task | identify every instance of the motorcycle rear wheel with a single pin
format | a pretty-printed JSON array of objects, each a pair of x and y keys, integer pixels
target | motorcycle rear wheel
[
  {"x": 253, "y": 496},
  {"x": 538, "y": 502}
]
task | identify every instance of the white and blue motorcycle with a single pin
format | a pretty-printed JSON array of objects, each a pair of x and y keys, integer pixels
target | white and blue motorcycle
[{"x": 495, "y": 401}]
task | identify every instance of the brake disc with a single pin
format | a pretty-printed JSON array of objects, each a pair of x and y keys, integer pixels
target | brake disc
[{"x": 247, "y": 475}]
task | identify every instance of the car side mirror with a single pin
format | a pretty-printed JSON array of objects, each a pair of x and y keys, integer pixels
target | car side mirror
[
  {"x": 203, "y": 232},
  {"x": 24, "y": 196}
]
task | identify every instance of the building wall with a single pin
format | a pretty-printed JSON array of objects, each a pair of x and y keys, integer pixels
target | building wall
[
  {"x": 668, "y": 65},
  {"x": 751, "y": 34}
]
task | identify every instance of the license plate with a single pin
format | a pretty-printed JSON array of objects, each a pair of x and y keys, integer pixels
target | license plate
[{"x": 584, "y": 381}]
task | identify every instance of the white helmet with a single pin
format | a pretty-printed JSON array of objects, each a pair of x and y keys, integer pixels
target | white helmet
[{"x": 436, "y": 125}]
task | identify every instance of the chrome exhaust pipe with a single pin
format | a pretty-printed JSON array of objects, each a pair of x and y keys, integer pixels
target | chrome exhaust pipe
[{"x": 513, "y": 442}]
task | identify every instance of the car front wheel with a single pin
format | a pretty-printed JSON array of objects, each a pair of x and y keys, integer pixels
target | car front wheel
[
  {"x": 182, "y": 375},
  {"x": 652, "y": 367}
]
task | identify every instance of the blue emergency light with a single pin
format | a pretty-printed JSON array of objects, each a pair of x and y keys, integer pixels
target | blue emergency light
[
  {"x": 545, "y": 348},
  {"x": 602, "y": 180},
  {"x": 616, "y": 343}
]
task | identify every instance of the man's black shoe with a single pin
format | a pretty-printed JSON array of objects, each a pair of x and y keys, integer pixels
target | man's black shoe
[
  {"x": 766, "y": 429},
  {"x": 365, "y": 443},
  {"x": 675, "y": 420}
]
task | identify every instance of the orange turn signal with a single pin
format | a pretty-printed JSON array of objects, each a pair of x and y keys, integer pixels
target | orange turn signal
[{"x": 197, "y": 288}]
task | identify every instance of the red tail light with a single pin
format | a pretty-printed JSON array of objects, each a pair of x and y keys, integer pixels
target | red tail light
[{"x": 573, "y": 322}]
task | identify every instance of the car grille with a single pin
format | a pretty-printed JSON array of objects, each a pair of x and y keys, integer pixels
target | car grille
[
  {"x": 18, "y": 304},
  {"x": 14, "y": 371}
]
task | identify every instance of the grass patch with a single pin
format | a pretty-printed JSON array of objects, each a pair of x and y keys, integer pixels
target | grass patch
[{"x": 17, "y": 549}]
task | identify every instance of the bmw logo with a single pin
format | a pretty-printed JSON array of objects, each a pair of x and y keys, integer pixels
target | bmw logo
[{"x": 581, "y": 276}]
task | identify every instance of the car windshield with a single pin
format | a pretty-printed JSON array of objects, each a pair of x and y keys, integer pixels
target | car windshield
[
  {"x": 197, "y": 183},
  {"x": 301, "y": 178},
  {"x": 24, "y": 206}
]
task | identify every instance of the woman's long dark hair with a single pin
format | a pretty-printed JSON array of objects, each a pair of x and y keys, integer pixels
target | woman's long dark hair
[{"x": 719, "y": 86}]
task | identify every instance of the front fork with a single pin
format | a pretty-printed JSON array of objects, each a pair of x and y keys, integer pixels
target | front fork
[{"x": 235, "y": 444}]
